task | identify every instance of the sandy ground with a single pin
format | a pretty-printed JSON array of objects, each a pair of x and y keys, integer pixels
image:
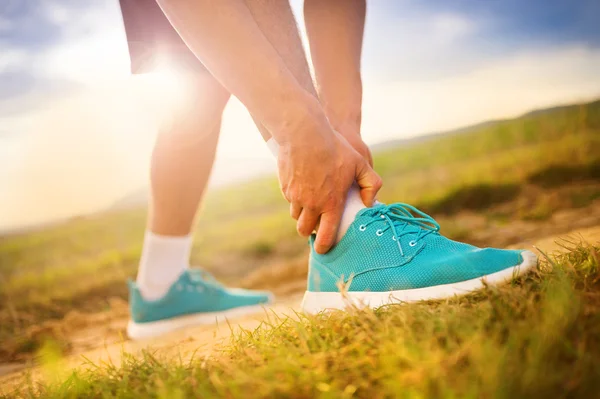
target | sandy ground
[{"x": 100, "y": 339}]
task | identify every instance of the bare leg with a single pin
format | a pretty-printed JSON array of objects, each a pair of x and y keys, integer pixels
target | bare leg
[
  {"x": 167, "y": 295},
  {"x": 181, "y": 164},
  {"x": 184, "y": 153},
  {"x": 183, "y": 157}
]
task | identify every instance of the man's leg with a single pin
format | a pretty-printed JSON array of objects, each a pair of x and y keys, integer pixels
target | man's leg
[
  {"x": 180, "y": 168},
  {"x": 168, "y": 295},
  {"x": 276, "y": 21}
]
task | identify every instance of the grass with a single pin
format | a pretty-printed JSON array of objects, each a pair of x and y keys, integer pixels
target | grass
[
  {"x": 474, "y": 197},
  {"x": 503, "y": 171},
  {"x": 556, "y": 175},
  {"x": 537, "y": 337}
]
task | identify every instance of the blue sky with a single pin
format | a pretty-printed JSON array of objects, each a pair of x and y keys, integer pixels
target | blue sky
[{"x": 66, "y": 113}]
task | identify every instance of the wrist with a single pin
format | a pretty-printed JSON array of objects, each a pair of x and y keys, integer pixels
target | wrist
[
  {"x": 302, "y": 121},
  {"x": 344, "y": 114},
  {"x": 342, "y": 103},
  {"x": 346, "y": 122}
]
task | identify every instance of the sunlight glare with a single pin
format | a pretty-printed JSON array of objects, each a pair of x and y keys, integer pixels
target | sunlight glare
[{"x": 163, "y": 91}]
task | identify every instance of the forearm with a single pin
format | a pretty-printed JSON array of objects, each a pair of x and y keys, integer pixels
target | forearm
[
  {"x": 224, "y": 35},
  {"x": 335, "y": 32}
]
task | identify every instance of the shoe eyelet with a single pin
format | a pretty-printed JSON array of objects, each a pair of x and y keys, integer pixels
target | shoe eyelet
[
  {"x": 412, "y": 243},
  {"x": 382, "y": 216},
  {"x": 394, "y": 238},
  {"x": 379, "y": 233},
  {"x": 362, "y": 227},
  {"x": 179, "y": 287}
]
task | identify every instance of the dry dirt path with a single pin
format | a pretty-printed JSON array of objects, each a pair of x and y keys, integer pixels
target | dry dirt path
[{"x": 99, "y": 344}]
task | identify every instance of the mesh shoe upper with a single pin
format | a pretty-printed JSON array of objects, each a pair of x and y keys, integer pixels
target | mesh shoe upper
[
  {"x": 194, "y": 292},
  {"x": 387, "y": 248}
]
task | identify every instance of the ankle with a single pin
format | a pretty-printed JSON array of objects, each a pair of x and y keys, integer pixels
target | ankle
[
  {"x": 353, "y": 205},
  {"x": 163, "y": 260}
]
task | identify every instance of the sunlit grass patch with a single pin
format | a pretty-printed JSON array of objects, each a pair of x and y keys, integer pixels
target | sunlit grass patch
[
  {"x": 536, "y": 337},
  {"x": 584, "y": 196},
  {"x": 556, "y": 175},
  {"x": 475, "y": 197}
]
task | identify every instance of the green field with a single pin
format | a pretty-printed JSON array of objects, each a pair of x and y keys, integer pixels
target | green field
[
  {"x": 538, "y": 337},
  {"x": 523, "y": 169}
]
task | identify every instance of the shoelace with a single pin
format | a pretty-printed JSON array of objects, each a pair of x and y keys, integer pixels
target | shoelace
[{"x": 400, "y": 214}]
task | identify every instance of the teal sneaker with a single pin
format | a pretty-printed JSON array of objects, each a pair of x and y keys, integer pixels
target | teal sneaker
[
  {"x": 196, "y": 298},
  {"x": 394, "y": 253}
]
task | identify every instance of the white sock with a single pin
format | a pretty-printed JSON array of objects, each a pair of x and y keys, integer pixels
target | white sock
[
  {"x": 163, "y": 260},
  {"x": 353, "y": 203}
]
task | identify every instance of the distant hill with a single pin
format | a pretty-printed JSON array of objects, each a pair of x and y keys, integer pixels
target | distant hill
[
  {"x": 558, "y": 108},
  {"x": 391, "y": 144},
  {"x": 131, "y": 200},
  {"x": 421, "y": 138}
]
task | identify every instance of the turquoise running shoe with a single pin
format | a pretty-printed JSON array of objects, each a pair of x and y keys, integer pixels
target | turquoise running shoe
[
  {"x": 196, "y": 298},
  {"x": 394, "y": 253}
]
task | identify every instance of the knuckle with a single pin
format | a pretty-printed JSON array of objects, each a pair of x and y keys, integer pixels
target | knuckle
[
  {"x": 292, "y": 196},
  {"x": 336, "y": 201},
  {"x": 311, "y": 204},
  {"x": 378, "y": 182}
]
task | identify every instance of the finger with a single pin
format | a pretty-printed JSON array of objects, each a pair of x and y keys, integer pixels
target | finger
[
  {"x": 369, "y": 183},
  {"x": 369, "y": 158},
  {"x": 295, "y": 210},
  {"x": 328, "y": 228},
  {"x": 307, "y": 221},
  {"x": 366, "y": 153}
]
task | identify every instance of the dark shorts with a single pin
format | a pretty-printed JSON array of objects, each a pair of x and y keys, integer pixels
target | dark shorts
[{"x": 153, "y": 41}]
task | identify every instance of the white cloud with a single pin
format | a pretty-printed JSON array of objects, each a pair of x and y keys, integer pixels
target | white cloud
[
  {"x": 6, "y": 24},
  {"x": 91, "y": 60},
  {"x": 57, "y": 13},
  {"x": 94, "y": 49},
  {"x": 448, "y": 27},
  {"x": 417, "y": 43},
  {"x": 12, "y": 58},
  {"x": 498, "y": 89}
]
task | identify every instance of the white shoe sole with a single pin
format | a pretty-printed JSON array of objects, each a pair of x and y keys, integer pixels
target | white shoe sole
[
  {"x": 157, "y": 328},
  {"x": 315, "y": 302}
]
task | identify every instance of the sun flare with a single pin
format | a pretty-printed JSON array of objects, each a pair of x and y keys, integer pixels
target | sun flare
[{"x": 163, "y": 91}]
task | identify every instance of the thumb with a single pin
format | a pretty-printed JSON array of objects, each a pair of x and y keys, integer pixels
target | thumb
[{"x": 368, "y": 181}]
